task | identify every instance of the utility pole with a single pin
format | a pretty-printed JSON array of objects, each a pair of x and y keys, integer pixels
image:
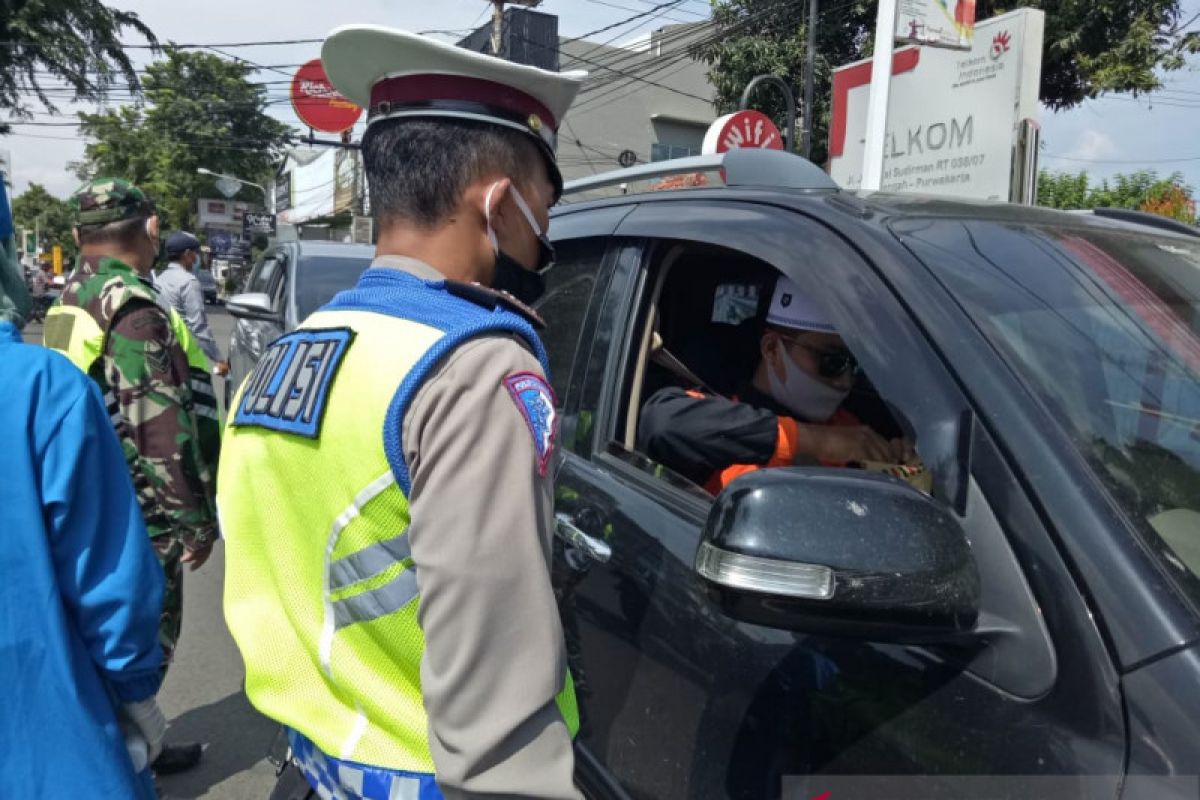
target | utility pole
[
  {"x": 877, "y": 107},
  {"x": 810, "y": 63},
  {"x": 498, "y": 21}
]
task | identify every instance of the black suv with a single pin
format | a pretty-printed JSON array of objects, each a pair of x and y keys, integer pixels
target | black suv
[{"x": 1036, "y": 614}]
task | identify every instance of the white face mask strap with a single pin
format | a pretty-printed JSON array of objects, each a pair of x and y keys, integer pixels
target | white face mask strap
[
  {"x": 487, "y": 216},
  {"x": 521, "y": 204}
]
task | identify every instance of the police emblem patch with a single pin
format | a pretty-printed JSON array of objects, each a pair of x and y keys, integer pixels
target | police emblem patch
[
  {"x": 288, "y": 389},
  {"x": 535, "y": 401}
]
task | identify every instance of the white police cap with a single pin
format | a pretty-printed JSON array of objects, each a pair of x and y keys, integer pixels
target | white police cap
[
  {"x": 393, "y": 74},
  {"x": 792, "y": 308}
]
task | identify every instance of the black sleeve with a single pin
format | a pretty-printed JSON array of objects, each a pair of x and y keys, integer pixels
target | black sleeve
[{"x": 697, "y": 436}]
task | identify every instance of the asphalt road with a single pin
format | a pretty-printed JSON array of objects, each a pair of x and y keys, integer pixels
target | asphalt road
[{"x": 202, "y": 696}]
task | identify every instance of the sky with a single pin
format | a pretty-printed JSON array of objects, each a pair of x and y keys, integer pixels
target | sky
[{"x": 1104, "y": 136}]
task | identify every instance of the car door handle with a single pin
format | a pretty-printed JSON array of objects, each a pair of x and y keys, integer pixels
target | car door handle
[{"x": 595, "y": 549}]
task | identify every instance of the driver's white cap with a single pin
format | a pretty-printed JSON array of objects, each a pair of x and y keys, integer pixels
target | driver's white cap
[{"x": 792, "y": 308}]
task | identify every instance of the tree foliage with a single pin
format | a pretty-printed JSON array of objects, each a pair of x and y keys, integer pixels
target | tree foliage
[
  {"x": 1142, "y": 191},
  {"x": 1090, "y": 48},
  {"x": 76, "y": 42},
  {"x": 37, "y": 209},
  {"x": 201, "y": 110}
]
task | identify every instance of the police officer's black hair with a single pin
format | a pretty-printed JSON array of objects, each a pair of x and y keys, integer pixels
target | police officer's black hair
[
  {"x": 417, "y": 170},
  {"x": 124, "y": 233}
]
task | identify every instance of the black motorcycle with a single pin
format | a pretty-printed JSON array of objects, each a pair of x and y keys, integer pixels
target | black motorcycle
[{"x": 37, "y": 313}]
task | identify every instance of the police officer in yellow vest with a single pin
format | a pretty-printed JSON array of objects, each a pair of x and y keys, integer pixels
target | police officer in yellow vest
[{"x": 385, "y": 484}]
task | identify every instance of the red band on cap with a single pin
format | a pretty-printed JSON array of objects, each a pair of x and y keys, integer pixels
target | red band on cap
[{"x": 412, "y": 89}]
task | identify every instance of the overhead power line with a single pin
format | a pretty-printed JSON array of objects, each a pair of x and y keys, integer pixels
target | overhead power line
[
  {"x": 619, "y": 7},
  {"x": 620, "y": 23}
]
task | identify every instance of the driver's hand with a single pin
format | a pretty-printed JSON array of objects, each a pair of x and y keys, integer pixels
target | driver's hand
[
  {"x": 846, "y": 444},
  {"x": 221, "y": 368}
]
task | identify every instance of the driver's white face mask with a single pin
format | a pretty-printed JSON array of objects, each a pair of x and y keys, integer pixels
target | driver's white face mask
[{"x": 811, "y": 400}]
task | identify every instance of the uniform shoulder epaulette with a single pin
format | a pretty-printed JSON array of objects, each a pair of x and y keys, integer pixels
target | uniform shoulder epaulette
[{"x": 481, "y": 295}]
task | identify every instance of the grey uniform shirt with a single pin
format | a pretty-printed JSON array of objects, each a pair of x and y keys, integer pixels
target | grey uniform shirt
[
  {"x": 181, "y": 290},
  {"x": 482, "y": 521}
]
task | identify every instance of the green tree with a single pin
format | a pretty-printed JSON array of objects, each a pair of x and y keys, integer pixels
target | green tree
[
  {"x": 201, "y": 110},
  {"x": 37, "y": 209},
  {"x": 1064, "y": 190},
  {"x": 1090, "y": 48},
  {"x": 1143, "y": 190},
  {"x": 76, "y": 42}
]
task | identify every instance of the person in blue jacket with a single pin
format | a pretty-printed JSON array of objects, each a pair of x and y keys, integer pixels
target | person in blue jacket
[{"x": 80, "y": 587}]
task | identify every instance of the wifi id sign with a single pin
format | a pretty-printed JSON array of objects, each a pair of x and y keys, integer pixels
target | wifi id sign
[
  {"x": 742, "y": 129},
  {"x": 953, "y": 116}
]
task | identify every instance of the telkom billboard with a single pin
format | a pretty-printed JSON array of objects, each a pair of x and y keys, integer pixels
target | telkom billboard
[{"x": 953, "y": 117}]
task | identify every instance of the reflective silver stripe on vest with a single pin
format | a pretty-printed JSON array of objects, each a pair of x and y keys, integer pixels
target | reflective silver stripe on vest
[
  {"x": 203, "y": 389},
  {"x": 329, "y": 622},
  {"x": 391, "y": 597},
  {"x": 204, "y": 397},
  {"x": 366, "y": 564}
]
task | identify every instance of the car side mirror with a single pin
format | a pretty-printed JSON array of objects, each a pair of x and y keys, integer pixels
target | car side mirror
[
  {"x": 253, "y": 305},
  {"x": 840, "y": 552}
]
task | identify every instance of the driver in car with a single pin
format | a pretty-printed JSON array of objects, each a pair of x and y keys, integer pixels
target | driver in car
[{"x": 790, "y": 413}]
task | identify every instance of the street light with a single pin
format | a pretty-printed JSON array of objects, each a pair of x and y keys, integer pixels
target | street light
[{"x": 206, "y": 171}]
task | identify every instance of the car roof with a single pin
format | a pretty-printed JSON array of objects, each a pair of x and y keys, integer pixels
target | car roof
[
  {"x": 310, "y": 247},
  {"x": 795, "y": 181}
]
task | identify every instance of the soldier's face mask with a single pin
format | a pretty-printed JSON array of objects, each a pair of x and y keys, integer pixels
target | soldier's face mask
[{"x": 525, "y": 284}]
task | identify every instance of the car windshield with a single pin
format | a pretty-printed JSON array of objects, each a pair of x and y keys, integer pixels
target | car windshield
[
  {"x": 1103, "y": 324},
  {"x": 321, "y": 277}
]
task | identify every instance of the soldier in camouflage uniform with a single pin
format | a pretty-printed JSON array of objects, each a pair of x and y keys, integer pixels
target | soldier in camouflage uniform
[{"x": 109, "y": 322}]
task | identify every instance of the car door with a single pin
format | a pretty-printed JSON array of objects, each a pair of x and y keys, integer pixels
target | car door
[
  {"x": 251, "y": 336},
  {"x": 680, "y": 700}
]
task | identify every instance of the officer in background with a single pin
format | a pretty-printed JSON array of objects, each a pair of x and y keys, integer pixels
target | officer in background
[
  {"x": 109, "y": 323},
  {"x": 385, "y": 486},
  {"x": 181, "y": 290}
]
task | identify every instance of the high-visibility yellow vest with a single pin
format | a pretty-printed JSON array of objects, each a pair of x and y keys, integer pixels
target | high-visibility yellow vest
[
  {"x": 75, "y": 333},
  {"x": 320, "y": 587}
]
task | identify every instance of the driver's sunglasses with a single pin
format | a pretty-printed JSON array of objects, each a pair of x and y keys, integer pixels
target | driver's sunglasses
[{"x": 831, "y": 364}]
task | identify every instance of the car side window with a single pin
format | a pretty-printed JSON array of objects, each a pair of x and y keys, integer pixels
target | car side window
[
  {"x": 569, "y": 287},
  {"x": 264, "y": 274},
  {"x": 693, "y": 404}
]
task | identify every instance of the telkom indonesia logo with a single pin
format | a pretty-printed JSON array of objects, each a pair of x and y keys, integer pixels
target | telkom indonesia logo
[{"x": 1001, "y": 44}]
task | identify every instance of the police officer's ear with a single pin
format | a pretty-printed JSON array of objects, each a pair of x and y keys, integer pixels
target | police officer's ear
[
  {"x": 152, "y": 228},
  {"x": 75, "y": 236},
  {"x": 494, "y": 191}
]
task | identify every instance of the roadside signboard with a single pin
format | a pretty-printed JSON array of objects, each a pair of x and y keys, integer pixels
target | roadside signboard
[
  {"x": 220, "y": 241},
  {"x": 318, "y": 104},
  {"x": 953, "y": 119},
  {"x": 742, "y": 129},
  {"x": 362, "y": 230},
  {"x": 936, "y": 23},
  {"x": 283, "y": 192},
  {"x": 255, "y": 223}
]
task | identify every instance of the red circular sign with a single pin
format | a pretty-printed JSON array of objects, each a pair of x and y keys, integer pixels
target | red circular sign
[
  {"x": 318, "y": 104},
  {"x": 742, "y": 129}
]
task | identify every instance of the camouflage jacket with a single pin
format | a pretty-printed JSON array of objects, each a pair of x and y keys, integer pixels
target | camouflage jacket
[{"x": 143, "y": 376}]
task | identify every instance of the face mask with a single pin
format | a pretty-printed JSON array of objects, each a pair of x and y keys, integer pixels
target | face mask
[
  {"x": 810, "y": 399},
  {"x": 510, "y": 275}
]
